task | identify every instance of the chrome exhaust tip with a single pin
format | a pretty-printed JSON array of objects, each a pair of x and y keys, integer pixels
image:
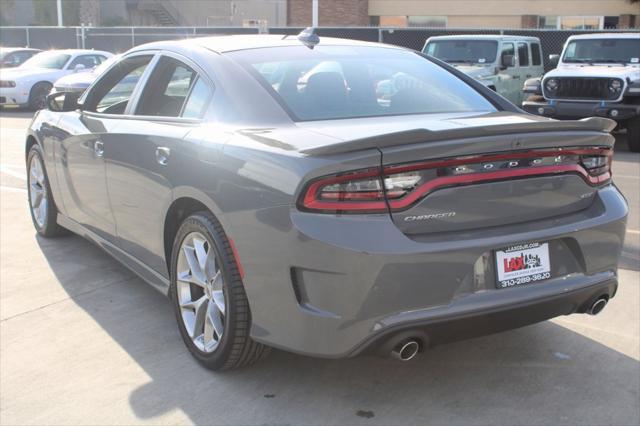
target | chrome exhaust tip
[
  {"x": 406, "y": 350},
  {"x": 598, "y": 305}
]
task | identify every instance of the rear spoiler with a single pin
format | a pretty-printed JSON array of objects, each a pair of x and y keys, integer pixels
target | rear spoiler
[{"x": 407, "y": 137}]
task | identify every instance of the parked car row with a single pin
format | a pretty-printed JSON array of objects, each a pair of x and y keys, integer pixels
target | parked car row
[
  {"x": 28, "y": 84},
  {"x": 596, "y": 74}
]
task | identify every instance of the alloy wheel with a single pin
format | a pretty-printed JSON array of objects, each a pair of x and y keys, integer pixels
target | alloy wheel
[
  {"x": 200, "y": 292},
  {"x": 38, "y": 191}
]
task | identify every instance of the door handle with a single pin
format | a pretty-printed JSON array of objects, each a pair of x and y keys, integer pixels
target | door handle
[
  {"x": 528, "y": 75},
  {"x": 98, "y": 149},
  {"x": 162, "y": 155},
  {"x": 516, "y": 77}
]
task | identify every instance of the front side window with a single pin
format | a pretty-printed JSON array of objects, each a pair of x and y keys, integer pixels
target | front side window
[
  {"x": 523, "y": 54},
  {"x": 334, "y": 82},
  {"x": 463, "y": 51},
  {"x": 112, "y": 93},
  {"x": 166, "y": 89},
  {"x": 507, "y": 49},
  {"x": 606, "y": 50},
  {"x": 50, "y": 60}
]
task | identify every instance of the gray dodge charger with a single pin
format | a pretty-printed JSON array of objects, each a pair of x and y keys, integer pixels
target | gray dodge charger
[{"x": 328, "y": 197}]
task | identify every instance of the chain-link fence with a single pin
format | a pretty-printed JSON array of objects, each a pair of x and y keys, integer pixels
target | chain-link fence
[{"x": 119, "y": 39}]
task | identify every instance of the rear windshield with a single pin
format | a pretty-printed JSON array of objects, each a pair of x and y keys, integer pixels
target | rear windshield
[{"x": 333, "y": 82}]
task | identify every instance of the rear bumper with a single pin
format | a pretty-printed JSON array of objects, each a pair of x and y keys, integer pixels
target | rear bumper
[
  {"x": 337, "y": 286},
  {"x": 468, "y": 319},
  {"x": 575, "y": 110}
]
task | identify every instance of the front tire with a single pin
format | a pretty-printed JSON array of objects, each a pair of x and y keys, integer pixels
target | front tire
[
  {"x": 44, "y": 212},
  {"x": 633, "y": 134},
  {"x": 38, "y": 95},
  {"x": 208, "y": 296}
]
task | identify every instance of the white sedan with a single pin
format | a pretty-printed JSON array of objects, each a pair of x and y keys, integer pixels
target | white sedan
[{"x": 29, "y": 84}]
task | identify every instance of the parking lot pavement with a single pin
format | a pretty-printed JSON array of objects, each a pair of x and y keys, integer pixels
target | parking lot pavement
[{"x": 83, "y": 341}]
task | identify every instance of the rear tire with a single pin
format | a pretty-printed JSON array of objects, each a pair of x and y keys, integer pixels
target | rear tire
[
  {"x": 208, "y": 296},
  {"x": 38, "y": 95},
  {"x": 42, "y": 207},
  {"x": 633, "y": 134}
]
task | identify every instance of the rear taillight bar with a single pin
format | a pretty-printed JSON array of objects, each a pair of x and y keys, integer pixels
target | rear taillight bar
[{"x": 398, "y": 187}]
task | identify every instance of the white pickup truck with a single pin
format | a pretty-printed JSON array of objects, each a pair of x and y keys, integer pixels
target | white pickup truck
[{"x": 596, "y": 75}]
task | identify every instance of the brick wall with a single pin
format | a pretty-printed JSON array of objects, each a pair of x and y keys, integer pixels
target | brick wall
[{"x": 330, "y": 13}]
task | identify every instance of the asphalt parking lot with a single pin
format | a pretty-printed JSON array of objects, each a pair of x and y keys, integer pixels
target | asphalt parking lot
[{"x": 84, "y": 341}]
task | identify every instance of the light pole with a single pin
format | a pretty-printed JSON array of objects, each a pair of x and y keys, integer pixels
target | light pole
[
  {"x": 314, "y": 13},
  {"x": 59, "y": 4}
]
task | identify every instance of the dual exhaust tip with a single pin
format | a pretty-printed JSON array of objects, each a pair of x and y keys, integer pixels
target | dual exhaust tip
[
  {"x": 407, "y": 349},
  {"x": 598, "y": 305}
]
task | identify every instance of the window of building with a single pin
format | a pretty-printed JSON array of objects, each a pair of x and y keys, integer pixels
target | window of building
[
  {"x": 548, "y": 22},
  {"x": 427, "y": 21},
  {"x": 392, "y": 21},
  {"x": 581, "y": 22},
  {"x": 611, "y": 22},
  {"x": 575, "y": 22}
]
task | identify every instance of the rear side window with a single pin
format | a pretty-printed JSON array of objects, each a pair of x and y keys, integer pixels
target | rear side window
[
  {"x": 198, "y": 100},
  {"x": 536, "y": 57},
  {"x": 523, "y": 54},
  {"x": 167, "y": 89},
  {"x": 335, "y": 82}
]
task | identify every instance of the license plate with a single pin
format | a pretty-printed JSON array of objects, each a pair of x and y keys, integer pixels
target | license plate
[{"x": 522, "y": 264}]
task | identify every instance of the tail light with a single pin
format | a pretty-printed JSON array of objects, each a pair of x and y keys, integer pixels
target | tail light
[{"x": 399, "y": 187}]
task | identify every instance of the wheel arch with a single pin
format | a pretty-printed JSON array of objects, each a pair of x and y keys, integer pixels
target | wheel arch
[
  {"x": 31, "y": 141},
  {"x": 186, "y": 201}
]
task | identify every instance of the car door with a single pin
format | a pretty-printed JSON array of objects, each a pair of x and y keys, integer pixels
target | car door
[
  {"x": 81, "y": 152},
  {"x": 509, "y": 84},
  {"x": 523, "y": 69},
  {"x": 148, "y": 153}
]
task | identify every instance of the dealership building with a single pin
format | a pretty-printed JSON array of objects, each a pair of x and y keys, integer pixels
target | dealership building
[{"x": 548, "y": 14}]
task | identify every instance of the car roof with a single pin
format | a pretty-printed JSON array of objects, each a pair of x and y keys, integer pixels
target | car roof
[
  {"x": 484, "y": 37},
  {"x": 605, "y": 35},
  {"x": 222, "y": 44},
  {"x": 18, "y": 49},
  {"x": 79, "y": 51}
]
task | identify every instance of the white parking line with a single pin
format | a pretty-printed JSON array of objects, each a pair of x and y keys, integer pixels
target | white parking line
[
  {"x": 633, "y": 231},
  {"x": 12, "y": 189},
  {"x": 8, "y": 171}
]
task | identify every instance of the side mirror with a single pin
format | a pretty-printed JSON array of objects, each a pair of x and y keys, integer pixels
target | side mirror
[
  {"x": 79, "y": 68},
  {"x": 63, "y": 101},
  {"x": 508, "y": 61},
  {"x": 554, "y": 59}
]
